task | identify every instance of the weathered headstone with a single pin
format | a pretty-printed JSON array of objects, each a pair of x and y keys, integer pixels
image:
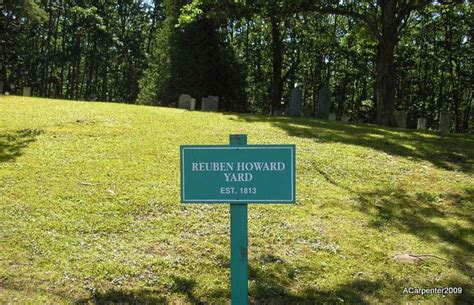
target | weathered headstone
[
  {"x": 209, "y": 104},
  {"x": 186, "y": 102},
  {"x": 214, "y": 97},
  {"x": 345, "y": 118},
  {"x": 444, "y": 121},
  {"x": 324, "y": 103},
  {"x": 277, "y": 112},
  {"x": 26, "y": 91},
  {"x": 1, "y": 86},
  {"x": 421, "y": 124},
  {"x": 401, "y": 118},
  {"x": 294, "y": 109},
  {"x": 193, "y": 104},
  {"x": 332, "y": 116}
]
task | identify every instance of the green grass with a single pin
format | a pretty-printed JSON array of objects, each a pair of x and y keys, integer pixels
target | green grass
[{"x": 90, "y": 210}]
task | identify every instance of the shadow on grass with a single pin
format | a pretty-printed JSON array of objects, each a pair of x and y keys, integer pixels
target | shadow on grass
[
  {"x": 447, "y": 151},
  {"x": 271, "y": 280},
  {"x": 271, "y": 287},
  {"x": 13, "y": 144},
  {"x": 421, "y": 215},
  {"x": 116, "y": 296}
]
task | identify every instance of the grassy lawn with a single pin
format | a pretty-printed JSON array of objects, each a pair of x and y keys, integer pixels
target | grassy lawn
[{"x": 90, "y": 210}]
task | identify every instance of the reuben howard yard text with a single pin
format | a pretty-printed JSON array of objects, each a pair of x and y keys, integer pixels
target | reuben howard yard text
[
  {"x": 228, "y": 167},
  {"x": 254, "y": 173}
]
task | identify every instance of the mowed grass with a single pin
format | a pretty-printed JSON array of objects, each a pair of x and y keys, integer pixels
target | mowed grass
[{"x": 90, "y": 210}]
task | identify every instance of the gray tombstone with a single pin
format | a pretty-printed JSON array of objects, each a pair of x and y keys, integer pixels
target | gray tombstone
[
  {"x": 421, "y": 124},
  {"x": 345, "y": 118},
  {"x": 444, "y": 121},
  {"x": 1, "y": 86},
  {"x": 214, "y": 97},
  {"x": 332, "y": 116},
  {"x": 26, "y": 91},
  {"x": 209, "y": 104},
  {"x": 185, "y": 101},
  {"x": 294, "y": 109},
  {"x": 401, "y": 118},
  {"x": 324, "y": 103}
]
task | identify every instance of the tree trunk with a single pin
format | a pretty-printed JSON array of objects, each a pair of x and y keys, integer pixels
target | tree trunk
[
  {"x": 386, "y": 81},
  {"x": 277, "y": 63}
]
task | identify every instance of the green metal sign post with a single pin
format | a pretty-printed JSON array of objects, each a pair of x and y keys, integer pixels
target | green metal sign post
[
  {"x": 238, "y": 243},
  {"x": 238, "y": 174}
]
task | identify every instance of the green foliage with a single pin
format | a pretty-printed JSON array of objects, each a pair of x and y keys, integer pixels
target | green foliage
[
  {"x": 151, "y": 51},
  {"x": 26, "y": 8},
  {"x": 193, "y": 58},
  {"x": 84, "y": 49},
  {"x": 435, "y": 63}
]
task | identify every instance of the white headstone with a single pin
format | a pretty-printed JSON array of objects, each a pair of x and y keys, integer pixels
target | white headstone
[
  {"x": 421, "y": 124},
  {"x": 26, "y": 91}
]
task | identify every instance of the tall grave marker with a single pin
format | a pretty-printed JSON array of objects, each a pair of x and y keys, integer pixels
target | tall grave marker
[
  {"x": 324, "y": 103},
  {"x": 238, "y": 174},
  {"x": 294, "y": 109},
  {"x": 444, "y": 121}
]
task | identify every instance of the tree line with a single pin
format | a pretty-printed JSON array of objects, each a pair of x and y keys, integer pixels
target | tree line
[{"x": 375, "y": 56}]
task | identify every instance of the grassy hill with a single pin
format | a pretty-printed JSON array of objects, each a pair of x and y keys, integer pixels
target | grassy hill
[{"x": 90, "y": 210}]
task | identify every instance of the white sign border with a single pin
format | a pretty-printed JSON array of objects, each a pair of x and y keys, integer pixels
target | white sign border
[{"x": 291, "y": 148}]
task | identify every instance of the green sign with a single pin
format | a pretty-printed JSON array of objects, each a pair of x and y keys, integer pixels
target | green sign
[
  {"x": 233, "y": 174},
  {"x": 238, "y": 174}
]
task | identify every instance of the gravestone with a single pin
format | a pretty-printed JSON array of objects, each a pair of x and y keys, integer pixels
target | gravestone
[
  {"x": 421, "y": 124},
  {"x": 193, "y": 104},
  {"x": 324, "y": 103},
  {"x": 294, "y": 109},
  {"x": 332, "y": 116},
  {"x": 185, "y": 101},
  {"x": 209, "y": 104},
  {"x": 345, "y": 118},
  {"x": 277, "y": 112},
  {"x": 444, "y": 121},
  {"x": 1, "y": 86},
  {"x": 26, "y": 91},
  {"x": 214, "y": 97},
  {"x": 401, "y": 118}
]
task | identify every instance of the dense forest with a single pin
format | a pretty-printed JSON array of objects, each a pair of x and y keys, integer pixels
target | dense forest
[{"x": 376, "y": 57}]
